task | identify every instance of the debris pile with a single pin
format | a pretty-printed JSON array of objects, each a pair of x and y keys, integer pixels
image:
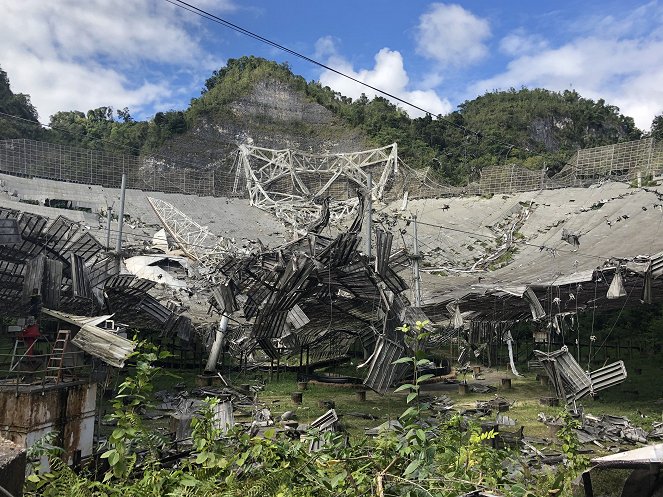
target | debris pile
[{"x": 608, "y": 431}]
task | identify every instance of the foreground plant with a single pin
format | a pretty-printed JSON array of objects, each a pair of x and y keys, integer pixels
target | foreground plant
[{"x": 444, "y": 458}]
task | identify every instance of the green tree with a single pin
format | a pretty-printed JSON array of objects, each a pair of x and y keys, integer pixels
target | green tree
[
  {"x": 19, "y": 111},
  {"x": 657, "y": 128}
]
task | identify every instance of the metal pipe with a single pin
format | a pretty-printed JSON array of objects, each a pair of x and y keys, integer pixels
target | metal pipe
[
  {"x": 109, "y": 211},
  {"x": 216, "y": 346},
  {"x": 415, "y": 266},
  {"x": 369, "y": 214},
  {"x": 121, "y": 215}
]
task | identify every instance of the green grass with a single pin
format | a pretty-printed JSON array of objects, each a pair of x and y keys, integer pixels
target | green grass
[{"x": 641, "y": 395}]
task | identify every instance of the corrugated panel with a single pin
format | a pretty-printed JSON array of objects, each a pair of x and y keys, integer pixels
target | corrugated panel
[
  {"x": 59, "y": 233},
  {"x": 399, "y": 260},
  {"x": 383, "y": 372},
  {"x": 102, "y": 269},
  {"x": 183, "y": 328},
  {"x": 52, "y": 284},
  {"x": 608, "y": 376},
  {"x": 152, "y": 307},
  {"x": 80, "y": 277},
  {"x": 384, "y": 240},
  {"x": 394, "y": 282},
  {"x": 104, "y": 344},
  {"x": 571, "y": 382},
  {"x": 86, "y": 246},
  {"x": 410, "y": 316},
  {"x": 34, "y": 275},
  {"x": 534, "y": 304},
  {"x": 297, "y": 318},
  {"x": 142, "y": 285},
  {"x": 9, "y": 233},
  {"x": 656, "y": 265},
  {"x": 268, "y": 348},
  {"x": 269, "y": 323},
  {"x": 570, "y": 279},
  {"x": 120, "y": 281},
  {"x": 224, "y": 298}
]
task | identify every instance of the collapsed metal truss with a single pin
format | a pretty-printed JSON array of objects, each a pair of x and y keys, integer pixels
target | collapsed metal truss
[
  {"x": 292, "y": 184},
  {"x": 196, "y": 241}
]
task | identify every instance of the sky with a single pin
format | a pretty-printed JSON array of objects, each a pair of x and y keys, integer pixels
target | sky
[{"x": 150, "y": 55}]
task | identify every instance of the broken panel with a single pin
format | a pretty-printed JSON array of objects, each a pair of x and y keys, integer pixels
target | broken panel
[
  {"x": 52, "y": 283},
  {"x": 9, "y": 233},
  {"x": 382, "y": 371},
  {"x": 80, "y": 277}
]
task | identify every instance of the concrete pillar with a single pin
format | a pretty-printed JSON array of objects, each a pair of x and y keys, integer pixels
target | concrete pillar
[
  {"x": 12, "y": 467},
  {"x": 217, "y": 345}
]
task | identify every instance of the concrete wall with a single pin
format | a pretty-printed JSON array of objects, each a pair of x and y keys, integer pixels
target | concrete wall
[{"x": 67, "y": 408}]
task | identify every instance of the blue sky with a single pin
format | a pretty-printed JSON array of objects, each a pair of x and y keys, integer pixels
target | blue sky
[{"x": 149, "y": 55}]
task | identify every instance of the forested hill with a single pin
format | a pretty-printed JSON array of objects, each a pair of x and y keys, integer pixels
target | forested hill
[
  {"x": 260, "y": 101},
  {"x": 17, "y": 105}
]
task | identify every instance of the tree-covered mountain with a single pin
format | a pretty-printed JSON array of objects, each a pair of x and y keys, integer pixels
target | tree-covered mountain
[
  {"x": 16, "y": 104},
  {"x": 259, "y": 101}
]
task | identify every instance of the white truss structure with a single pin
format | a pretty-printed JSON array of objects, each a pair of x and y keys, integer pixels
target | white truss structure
[
  {"x": 267, "y": 171},
  {"x": 196, "y": 241}
]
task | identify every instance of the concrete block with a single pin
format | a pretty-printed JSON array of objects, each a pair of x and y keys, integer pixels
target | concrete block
[{"x": 12, "y": 467}]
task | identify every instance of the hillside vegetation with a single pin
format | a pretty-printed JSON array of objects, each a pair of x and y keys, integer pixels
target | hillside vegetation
[
  {"x": 19, "y": 105},
  {"x": 264, "y": 102}
]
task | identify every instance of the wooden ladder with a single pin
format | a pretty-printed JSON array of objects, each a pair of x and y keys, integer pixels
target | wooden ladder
[{"x": 56, "y": 359}]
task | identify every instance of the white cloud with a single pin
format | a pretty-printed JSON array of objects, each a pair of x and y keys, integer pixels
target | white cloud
[
  {"x": 616, "y": 57},
  {"x": 70, "y": 55},
  {"x": 451, "y": 35},
  {"x": 521, "y": 43},
  {"x": 325, "y": 47},
  {"x": 388, "y": 74}
]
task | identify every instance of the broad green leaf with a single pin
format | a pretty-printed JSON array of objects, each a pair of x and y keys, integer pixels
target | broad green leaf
[
  {"x": 424, "y": 377},
  {"x": 106, "y": 454},
  {"x": 403, "y": 360},
  {"x": 412, "y": 467},
  {"x": 408, "y": 412},
  {"x": 404, "y": 386},
  {"x": 411, "y": 397},
  {"x": 189, "y": 481}
]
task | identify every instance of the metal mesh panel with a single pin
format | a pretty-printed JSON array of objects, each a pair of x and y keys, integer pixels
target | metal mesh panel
[
  {"x": 35, "y": 159},
  {"x": 29, "y": 158},
  {"x": 510, "y": 178},
  {"x": 620, "y": 162}
]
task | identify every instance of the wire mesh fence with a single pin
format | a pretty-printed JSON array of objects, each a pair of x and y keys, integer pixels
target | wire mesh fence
[
  {"x": 620, "y": 162},
  {"x": 36, "y": 159},
  {"x": 633, "y": 161}
]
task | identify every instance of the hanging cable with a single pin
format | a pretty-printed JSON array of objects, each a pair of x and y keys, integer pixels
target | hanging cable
[
  {"x": 615, "y": 323},
  {"x": 224, "y": 22}
]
